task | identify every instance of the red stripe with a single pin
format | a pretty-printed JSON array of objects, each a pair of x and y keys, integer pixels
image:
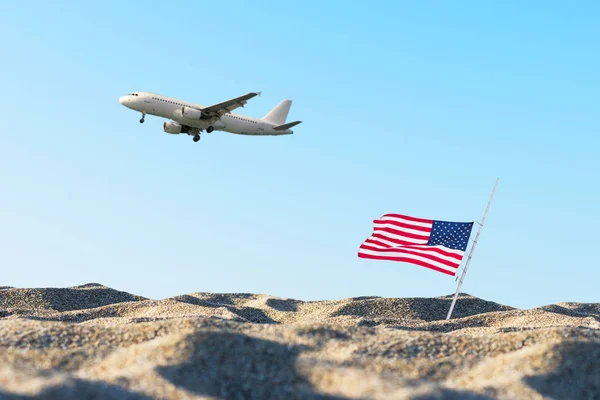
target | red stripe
[
  {"x": 414, "y": 253},
  {"x": 403, "y": 225},
  {"x": 402, "y": 233},
  {"x": 397, "y": 241},
  {"x": 440, "y": 251},
  {"x": 420, "y": 248},
  {"x": 426, "y": 221},
  {"x": 408, "y": 260},
  {"x": 375, "y": 241}
]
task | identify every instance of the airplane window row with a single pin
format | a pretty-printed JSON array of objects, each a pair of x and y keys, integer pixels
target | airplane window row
[
  {"x": 243, "y": 119},
  {"x": 168, "y": 101}
]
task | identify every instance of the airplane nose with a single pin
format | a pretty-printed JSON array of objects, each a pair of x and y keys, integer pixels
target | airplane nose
[{"x": 122, "y": 99}]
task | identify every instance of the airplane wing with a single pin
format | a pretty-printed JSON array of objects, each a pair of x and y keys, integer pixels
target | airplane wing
[{"x": 225, "y": 107}]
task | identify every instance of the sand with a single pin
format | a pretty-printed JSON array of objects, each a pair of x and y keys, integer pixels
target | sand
[{"x": 92, "y": 341}]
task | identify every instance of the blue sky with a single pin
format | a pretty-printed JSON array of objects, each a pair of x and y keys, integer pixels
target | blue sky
[{"x": 407, "y": 108}]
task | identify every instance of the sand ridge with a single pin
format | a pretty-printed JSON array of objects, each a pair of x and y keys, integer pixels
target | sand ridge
[{"x": 92, "y": 340}]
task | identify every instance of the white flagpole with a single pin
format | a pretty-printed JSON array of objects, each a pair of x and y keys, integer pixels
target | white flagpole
[{"x": 462, "y": 277}]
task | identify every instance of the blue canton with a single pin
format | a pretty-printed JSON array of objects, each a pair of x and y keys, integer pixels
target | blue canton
[{"x": 454, "y": 235}]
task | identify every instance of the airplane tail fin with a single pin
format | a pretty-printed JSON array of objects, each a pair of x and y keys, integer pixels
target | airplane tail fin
[{"x": 279, "y": 114}]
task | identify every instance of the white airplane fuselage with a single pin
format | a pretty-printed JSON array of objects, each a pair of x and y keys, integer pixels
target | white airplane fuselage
[{"x": 173, "y": 109}]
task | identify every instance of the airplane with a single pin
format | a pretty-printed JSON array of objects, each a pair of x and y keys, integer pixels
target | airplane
[{"x": 192, "y": 119}]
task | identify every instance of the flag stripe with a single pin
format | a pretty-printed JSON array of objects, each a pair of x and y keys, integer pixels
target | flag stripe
[
  {"x": 385, "y": 224},
  {"x": 449, "y": 261},
  {"x": 401, "y": 233},
  {"x": 457, "y": 254},
  {"x": 397, "y": 242},
  {"x": 384, "y": 242},
  {"x": 432, "y": 252},
  {"x": 422, "y": 264},
  {"x": 411, "y": 257},
  {"x": 409, "y": 219},
  {"x": 404, "y": 225},
  {"x": 445, "y": 250}
]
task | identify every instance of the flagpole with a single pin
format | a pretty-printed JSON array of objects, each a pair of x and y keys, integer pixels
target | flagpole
[{"x": 462, "y": 277}]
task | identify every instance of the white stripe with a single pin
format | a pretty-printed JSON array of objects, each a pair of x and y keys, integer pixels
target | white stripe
[
  {"x": 418, "y": 246},
  {"x": 423, "y": 259},
  {"x": 399, "y": 228},
  {"x": 400, "y": 237},
  {"x": 419, "y": 250},
  {"x": 387, "y": 242},
  {"x": 407, "y": 221},
  {"x": 379, "y": 245},
  {"x": 446, "y": 249}
]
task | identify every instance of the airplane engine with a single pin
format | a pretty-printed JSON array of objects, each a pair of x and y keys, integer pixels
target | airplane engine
[
  {"x": 174, "y": 128},
  {"x": 191, "y": 113}
]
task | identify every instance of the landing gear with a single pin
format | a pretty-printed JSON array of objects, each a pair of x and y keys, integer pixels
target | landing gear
[
  {"x": 210, "y": 129},
  {"x": 142, "y": 120},
  {"x": 195, "y": 133}
]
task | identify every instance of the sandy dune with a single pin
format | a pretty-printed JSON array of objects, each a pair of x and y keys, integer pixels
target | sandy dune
[{"x": 91, "y": 341}]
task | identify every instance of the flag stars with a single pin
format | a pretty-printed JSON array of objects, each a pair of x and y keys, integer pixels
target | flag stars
[{"x": 454, "y": 235}]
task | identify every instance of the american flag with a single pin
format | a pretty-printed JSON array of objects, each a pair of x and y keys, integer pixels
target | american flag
[{"x": 439, "y": 245}]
